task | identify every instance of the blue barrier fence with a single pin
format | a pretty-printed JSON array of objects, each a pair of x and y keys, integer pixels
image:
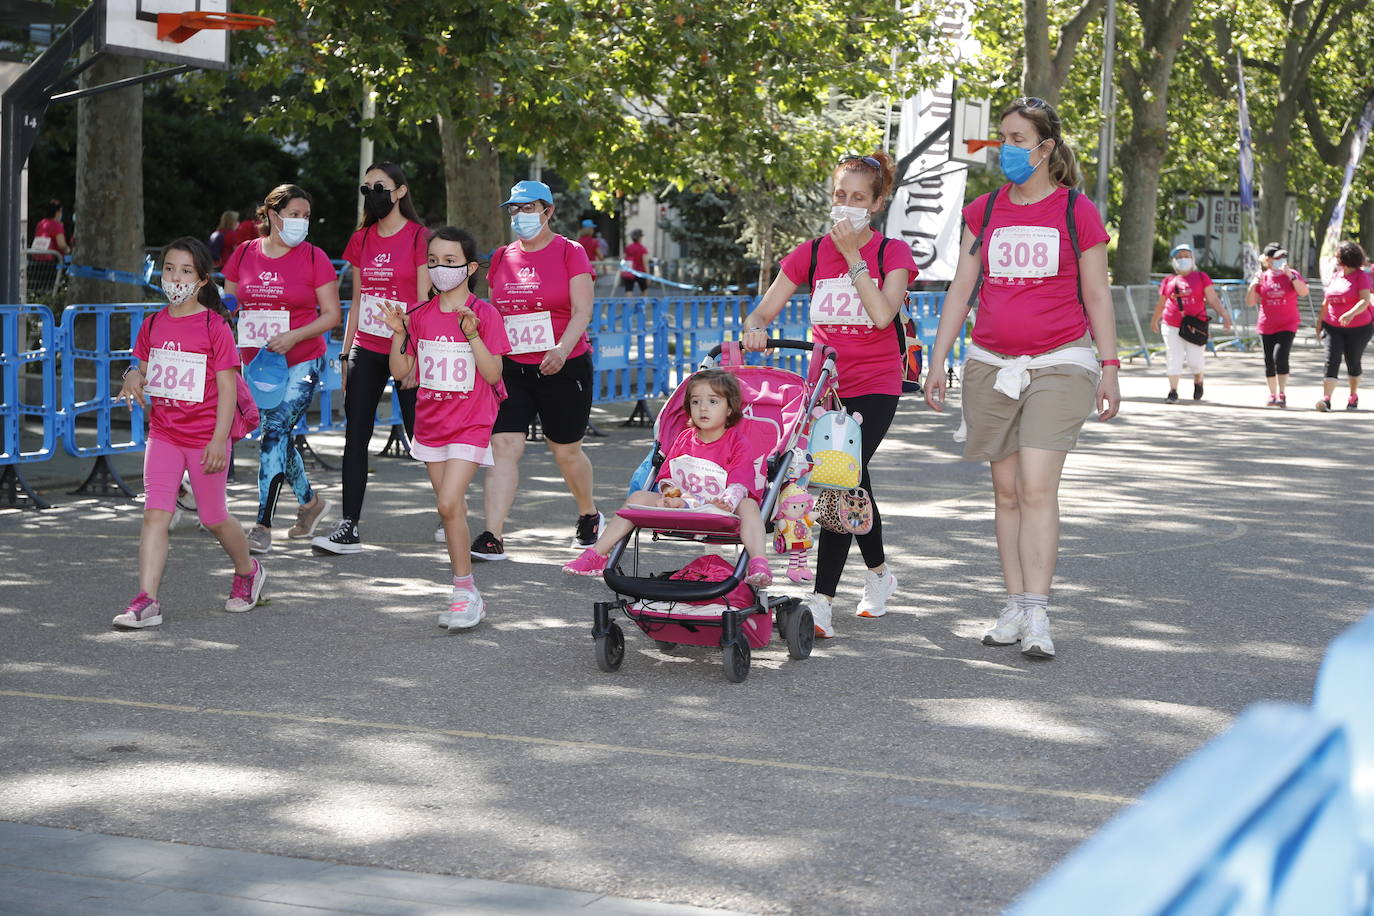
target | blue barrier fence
[{"x": 1275, "y": 816}]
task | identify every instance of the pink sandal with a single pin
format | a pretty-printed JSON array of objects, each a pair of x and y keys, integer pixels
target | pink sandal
[{"x": 759, "y": 575}]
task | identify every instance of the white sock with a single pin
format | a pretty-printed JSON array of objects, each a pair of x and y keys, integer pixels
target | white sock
[{"x": 1029, "y": 601}]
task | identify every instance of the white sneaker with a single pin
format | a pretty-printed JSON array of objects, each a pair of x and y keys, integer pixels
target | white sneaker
[
  {"x": 1008, "y": 627},
  {"x": 439, "y": 536},
  {"x": 1035, "y": 638},
  {"x": 466, "y": 609},
  {"x": 877, "y": 589},
  {"x": 821, "y": 616}
]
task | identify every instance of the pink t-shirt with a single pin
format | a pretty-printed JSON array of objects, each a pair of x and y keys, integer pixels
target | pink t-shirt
[
  {"x": 704, "y": 469},
  {"x": 591, "y": 245},
  {"x": 1278, "y": 302},
  {"x": 635, "y": 254},
  {"x": 869, "y": 360},
  {"x": 1028, "y": 303},
  {"x": 1190, "y": 289},
  {"x": 1343, "y": 294},
  {"x": 48, "y": 229},
  {"x": 445, "y": 417},
  {"x": 288, "y": 282},
  {"x": 387, "y": 266},
  {"x": 175, "y": 420},
  {"x": 525, "y": 283}
]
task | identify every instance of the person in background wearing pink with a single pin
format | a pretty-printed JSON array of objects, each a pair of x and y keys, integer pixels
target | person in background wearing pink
[
  {"x": 1346, "y": 323},
  {"x": 709, "y": 463},
  {"x": 1189, "y": 291},
  {"x": 858, "y": 281},
  {"x": 635, "y": 255},
  {"x": 586, "y": 237},
  {"x": 187, "y": 377},
  {"x": 1275, "y": 290},
  {"x": 542, "y": 284},
  {"x": 1043, "y": 353},
  {"x": 388, "y": 253},
  {"x": 49, "y": 234},
  {"x": 222, "y": 239},
  {"x": 452, "y": 345},
  {"x": 288, "y": 300}
]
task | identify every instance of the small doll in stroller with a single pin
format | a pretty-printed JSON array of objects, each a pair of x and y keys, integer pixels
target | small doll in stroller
[
  {"x": 708, "y": 467},
  {"x": 792, "y": 530}
]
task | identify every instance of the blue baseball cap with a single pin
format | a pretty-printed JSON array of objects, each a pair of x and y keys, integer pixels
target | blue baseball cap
[
  {"x": 266, "y": 376},
  {"x": 588, "y": 224},
  {"x": 1184, "y": 247},
  {"x": 527, "y": 191}
]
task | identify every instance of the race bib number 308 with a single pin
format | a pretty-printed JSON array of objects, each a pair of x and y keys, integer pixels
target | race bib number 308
[
  {"x": 370, "y": 319},
  {"x": 175, "y": 375},
  {"x": 837, "y": 301},
  {"x": 1023, "y": 252},
  {"x": 531, "y": 332},
  {"x": 258, "y": 326},
  {"x": 446, "y": 365}
]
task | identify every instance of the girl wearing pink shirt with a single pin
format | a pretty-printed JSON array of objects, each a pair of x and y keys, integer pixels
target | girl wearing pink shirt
[
  {"x": 1188, "y": 292},
  {"x": 1275, "y": 290},
  {"x": 388, "y": 255},
  {"x": 452, "y": 346},
  {"x": 709, "y": 463},
  {"x": 858, "y": 280},
  {"x": 187, "y": 378},
  {"x": 1033, "y": 373},
  {"x": 1347, "y": 323}
]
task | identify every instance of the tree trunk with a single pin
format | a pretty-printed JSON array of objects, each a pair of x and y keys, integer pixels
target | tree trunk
[
  {"x": 107, "y": 214},
  {"x": 1273, "y": 201},
  {"x": 472, "y": 186},
  {"x": 1037, "y": 70},
  {"x": 1142, "y": 158},
  {"x": 1366, "y": 224}
]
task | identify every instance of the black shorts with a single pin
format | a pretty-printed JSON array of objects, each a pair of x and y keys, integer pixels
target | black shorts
[
  {"x": 563, "y": 401},
  {"x": 629, "y": 283}
]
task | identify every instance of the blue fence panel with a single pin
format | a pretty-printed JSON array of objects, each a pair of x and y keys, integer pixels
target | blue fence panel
[
  {"x": 696, "y": 324},
  {"x": 20, "y": 366},
  {"x": 1345, "y": 693},
  {"x": 88, "y": 390},
  {"x": 629, "y": 350}
]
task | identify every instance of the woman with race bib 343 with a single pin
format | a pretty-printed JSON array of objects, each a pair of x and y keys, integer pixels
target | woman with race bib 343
[
  {"x": 542, "y": 284},
  {"x": 858, "y": 280},
  {"x": 288, "y": 300},
  {"x": 1034, "y": 259},
  {"x": 388, "y": 253}
]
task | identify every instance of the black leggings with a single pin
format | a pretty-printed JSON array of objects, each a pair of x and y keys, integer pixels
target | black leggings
[
  {"x": 368, "y": 373},
  {"x": 1348, "y": 343},
  {"x": 1277, "y": 346},
  {"x": 877, "y": 411}
]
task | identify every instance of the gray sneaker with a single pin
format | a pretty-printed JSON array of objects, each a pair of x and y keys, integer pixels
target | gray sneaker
[
  {"x": 259, "y": 539},
  {"x": 307, "y": 517}
]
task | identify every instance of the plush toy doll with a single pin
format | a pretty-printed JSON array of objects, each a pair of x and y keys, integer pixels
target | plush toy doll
[{"x": 793, "y": 530}]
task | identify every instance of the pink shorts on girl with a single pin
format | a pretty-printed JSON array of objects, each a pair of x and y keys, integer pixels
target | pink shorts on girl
[{"x": 163, "y": 464}]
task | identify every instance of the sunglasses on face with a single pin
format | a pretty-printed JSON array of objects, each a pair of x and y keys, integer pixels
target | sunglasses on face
[
  {"x": 377, "y": 188},
  {"x": 866, "y": 160}
]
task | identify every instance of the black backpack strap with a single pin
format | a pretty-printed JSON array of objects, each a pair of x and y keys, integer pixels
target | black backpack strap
[
  {"x": 978, "y": 244},
  {"x": 811, "y": 271},
  {"x": 1071, "y": 222}
]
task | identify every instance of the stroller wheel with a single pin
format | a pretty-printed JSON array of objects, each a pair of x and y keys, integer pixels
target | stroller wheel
[
  {"x": 800, "y": 633},
  {"x": 736, "y": 659},
  {"x": 610, "y": 649},
  {"x": 664, "y": 645}
]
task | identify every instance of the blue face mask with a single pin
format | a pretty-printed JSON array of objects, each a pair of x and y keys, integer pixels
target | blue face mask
[
  {"x": 527, "y": 225},
  {"x": 1015, "y": 162}
]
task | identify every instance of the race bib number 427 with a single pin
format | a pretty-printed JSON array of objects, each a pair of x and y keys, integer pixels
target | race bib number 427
[
  {"x": 175, "y": 375},
  {"x": 1023, "y": 252},
  {"x": 258, "y": 326},
  {"x": 531, "y": 332},
  {"x": 836, "y": 301}
]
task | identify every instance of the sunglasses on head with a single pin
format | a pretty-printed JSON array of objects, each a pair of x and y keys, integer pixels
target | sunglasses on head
[
  {"x": 866, "y": 160},
  {"x": 1031, "y": 102},
  {"x": 377, "y": 188}
]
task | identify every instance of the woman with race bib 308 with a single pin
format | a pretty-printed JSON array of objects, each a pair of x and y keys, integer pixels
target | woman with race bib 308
[
  {"x": 542, "y": 284},
  {"x": 1034, "y": 258},
  {"x": 858, "y": 280}
]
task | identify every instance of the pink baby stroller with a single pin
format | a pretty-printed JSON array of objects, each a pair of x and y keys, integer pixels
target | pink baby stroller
[{"x": 707, "y": 603}]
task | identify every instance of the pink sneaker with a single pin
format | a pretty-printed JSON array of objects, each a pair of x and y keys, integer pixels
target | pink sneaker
[
  {"x": 759, "y": 575},
  {"x": 1273, "y": 401},
  {"x": 244, "y": 592},
  {"x": 141, "y": 612},
  {"x": 588, "y": 563}
]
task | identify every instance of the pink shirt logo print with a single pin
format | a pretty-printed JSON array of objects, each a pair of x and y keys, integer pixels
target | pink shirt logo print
[{"x": 381, "y": 259}]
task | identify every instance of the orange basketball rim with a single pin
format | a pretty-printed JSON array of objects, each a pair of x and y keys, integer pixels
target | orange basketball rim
[{"x": 180, "y": 26}]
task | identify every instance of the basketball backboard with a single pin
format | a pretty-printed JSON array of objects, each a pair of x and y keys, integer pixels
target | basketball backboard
[
  {"x": 130, "y": 27},
  {"x": 971, "y": 122}
]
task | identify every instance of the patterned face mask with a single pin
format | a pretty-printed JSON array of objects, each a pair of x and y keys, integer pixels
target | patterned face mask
[
  {"x": 178, "y": 293},
  {"x": 446, "y": 278}
]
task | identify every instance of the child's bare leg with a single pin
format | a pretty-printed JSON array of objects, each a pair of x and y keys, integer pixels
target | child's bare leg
[
  {"x": 617, "y": 527},
  {"x": 751, "y": 527},
  {"x": 152, "y": 550}
]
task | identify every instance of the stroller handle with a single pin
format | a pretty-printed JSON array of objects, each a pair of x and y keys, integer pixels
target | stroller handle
[{"x": 774, "y": 343}]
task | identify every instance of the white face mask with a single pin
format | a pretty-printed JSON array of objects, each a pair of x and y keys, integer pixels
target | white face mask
[
  {"x": 857, "y": 216},
  {"x": 1183, "y": 265},
  {"x": 527, "y": 225},
  {"x": 1279, "y": 265},
  {"x": 178, "y": 293},
  {"x": 446, "y": 278},
  {"x": 294, "y": 230}
]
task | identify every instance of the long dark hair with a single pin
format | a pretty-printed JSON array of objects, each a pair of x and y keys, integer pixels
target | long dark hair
[
  {"x": 204, "y": 264},
  {"x": 392, "y": 171},
  {"x": 469, "y": 245}
]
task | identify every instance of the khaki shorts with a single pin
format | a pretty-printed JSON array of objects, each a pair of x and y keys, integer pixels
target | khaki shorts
[{"x": 1048, "y": 414}]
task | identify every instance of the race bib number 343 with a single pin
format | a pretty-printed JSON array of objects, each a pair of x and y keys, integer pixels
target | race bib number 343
[
  {"x": 836, "y": 301},
  {"x": 531, "y": 332},
  {"x": 175, "y": 375},
  {"x": 1023, "y": 252},
  {"x": 258, "y": 326},
  {"x": 446, "y": 365}
]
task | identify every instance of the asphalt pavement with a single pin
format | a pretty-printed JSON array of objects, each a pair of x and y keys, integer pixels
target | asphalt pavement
[{"x": 1210, "y": 552}]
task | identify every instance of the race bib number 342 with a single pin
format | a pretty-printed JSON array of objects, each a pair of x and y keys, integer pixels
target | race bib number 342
[
  {"x": 175, "y": 375},
  {"x": 258, "y": 326},
  {"x": 1023, "y": 252},
  {"x": 446, "y": 365},
  {"x": 531, "y": 332}
]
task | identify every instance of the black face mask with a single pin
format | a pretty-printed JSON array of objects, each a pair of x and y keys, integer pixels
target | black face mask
[{"x": 377, "y": 202}]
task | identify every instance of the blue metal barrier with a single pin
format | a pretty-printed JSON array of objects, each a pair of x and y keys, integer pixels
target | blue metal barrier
[
  {"x": 695, "y": 325},
  {"x": 20, "y": 363},
  {"x": 1345, "y": 694},
  {"x": 629, "y": 342}
]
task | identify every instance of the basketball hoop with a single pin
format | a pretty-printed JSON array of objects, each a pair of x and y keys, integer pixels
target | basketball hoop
[
  {"x": 178, "y": 27},
  {"x": 976, "y": 145}
]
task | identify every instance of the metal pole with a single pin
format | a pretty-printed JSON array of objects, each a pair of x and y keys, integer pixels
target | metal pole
[{"x": 1106, "y": 138}]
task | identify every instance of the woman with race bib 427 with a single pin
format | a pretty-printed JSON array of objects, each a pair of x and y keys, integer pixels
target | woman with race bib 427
[{"x": 1034, "y": 259}]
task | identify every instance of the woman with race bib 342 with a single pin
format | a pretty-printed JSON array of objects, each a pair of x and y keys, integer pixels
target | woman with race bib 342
[
  {"x": 1034, "y": 259},
  {"x": 542, "y": 284},
  {"x": 858, "y": 280}
]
